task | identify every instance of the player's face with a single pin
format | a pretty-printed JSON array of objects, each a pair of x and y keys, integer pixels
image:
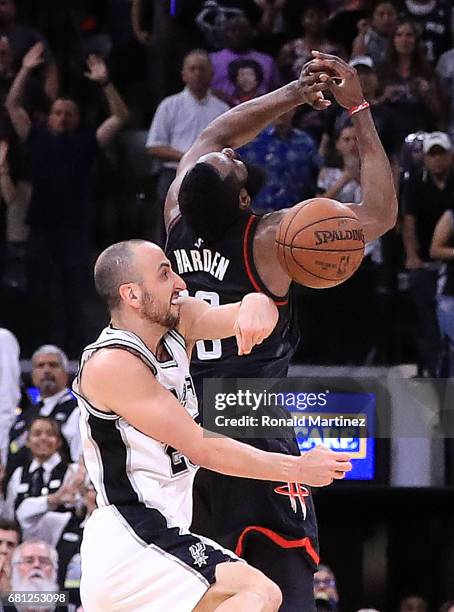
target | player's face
[
  {"x": 384, "y": 18},
  {"x": 226, "y": 162},
  {"x": 438, "y": 161},
  {"x": 48, "y": 374},
  {"x": 405, "y": 39},
  {"x": 43, "y": 441},
  {"x": 160, "y": 289},
  {"x": 9, "y": 539}
]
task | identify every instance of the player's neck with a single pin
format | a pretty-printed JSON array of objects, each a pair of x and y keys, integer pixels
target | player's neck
[{"x": 151, "y": 334}]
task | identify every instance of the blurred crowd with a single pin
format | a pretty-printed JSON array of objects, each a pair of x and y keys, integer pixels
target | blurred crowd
[{"x": 99, "y": 100}]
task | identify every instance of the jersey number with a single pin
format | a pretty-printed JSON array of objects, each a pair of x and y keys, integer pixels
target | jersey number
[
  {"x": 208, "y": 349},
  {"x": 178, "y": 463}
]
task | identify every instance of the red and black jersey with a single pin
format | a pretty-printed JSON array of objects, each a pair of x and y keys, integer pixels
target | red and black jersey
[{"x": 223, "y": 273}]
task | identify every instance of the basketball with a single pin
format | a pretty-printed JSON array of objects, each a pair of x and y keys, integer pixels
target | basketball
[{"x": 320, "y": 243}]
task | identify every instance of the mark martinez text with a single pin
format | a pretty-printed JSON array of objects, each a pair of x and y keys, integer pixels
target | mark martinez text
[{"x": 306, "y": 420}]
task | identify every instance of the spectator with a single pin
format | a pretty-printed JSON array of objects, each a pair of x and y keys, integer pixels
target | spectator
[
  {"x": 314, "y": 20},
  {"x": 9, "y": 387},
  {"x": 413, "y": 603},
  {"x": 409, "y": 85},
  {"x": 247, "y": 76},
  {"x": 35, "y": 566},
  {"x": 445, "y": 74},
  {"x": 10, "y": 536},
  {"x": 375, "y": 36},
  {"x": 50, "y": 375},
  {"x": 343, "y": 184},
  {"x": 21, "y": 38},
  {"x": 39, "y": 477},
  {"x": 290, "y": 160},
  {"x": 179, "y": 120},
  {"x": 434, "y": 21},
  {"x": 448, "y": 606},
  {"x": 62, "y": 155},
  {"x": 426, "y": 196},
  {"x": 238, "y": 38},
  {"x": 325, "y": 588},
  {"x": 337, "y": 117},
  {"x": 442, "y": 248}
]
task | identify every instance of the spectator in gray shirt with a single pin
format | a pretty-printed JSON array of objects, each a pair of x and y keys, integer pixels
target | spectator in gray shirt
[{"x": 179, "y": 120}]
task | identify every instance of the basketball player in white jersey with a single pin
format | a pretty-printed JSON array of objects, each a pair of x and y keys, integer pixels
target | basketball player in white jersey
[{"x": 142, "y": 445}]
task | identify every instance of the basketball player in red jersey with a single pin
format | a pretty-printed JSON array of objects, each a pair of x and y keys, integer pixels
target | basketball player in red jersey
[{"x": 223, "y": 251}]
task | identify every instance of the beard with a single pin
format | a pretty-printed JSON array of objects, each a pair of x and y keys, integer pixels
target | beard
[
  {"x": 37, "y": 583},
  {"x": 159, "y": 314}
]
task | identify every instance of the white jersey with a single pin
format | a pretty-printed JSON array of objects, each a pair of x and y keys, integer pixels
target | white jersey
[{"x": 129, "y": 469}]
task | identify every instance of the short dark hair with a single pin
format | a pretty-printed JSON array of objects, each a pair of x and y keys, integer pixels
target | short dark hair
[
  {"x": 11, "y": 525},
  {"x": 235, "y": 67},
  {"x": 209, "y": 203},
  {"x": 55, "y": 425},
  {"x": 113, "y": 268},
  {"x": 447, "y": 606}
]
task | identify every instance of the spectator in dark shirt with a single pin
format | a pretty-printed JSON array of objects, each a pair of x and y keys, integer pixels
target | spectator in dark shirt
[
  {"x": 375, "y": 34},
  {"x": 247, "y": 76},
  {"x": 61, "y": 157},
  {"x": 21, "y": 38},
  {"x": 409, "y": 85},
  {"x": 434, "y": 21},
  {"x": 426, "y": 196}
]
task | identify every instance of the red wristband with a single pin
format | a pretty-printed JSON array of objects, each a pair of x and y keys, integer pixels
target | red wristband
[{"x": 356, "y": 109}]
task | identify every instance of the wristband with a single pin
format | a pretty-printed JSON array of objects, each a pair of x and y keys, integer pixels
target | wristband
[{"x": 356, "y": 109}]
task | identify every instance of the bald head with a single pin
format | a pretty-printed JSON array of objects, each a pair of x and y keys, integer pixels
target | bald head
[{"x": 116, "y": 266}]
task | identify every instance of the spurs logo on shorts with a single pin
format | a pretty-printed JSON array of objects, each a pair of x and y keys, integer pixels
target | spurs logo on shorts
[
  {"x": 198, "y": 554},
  {"x": 295, "y": 491}
]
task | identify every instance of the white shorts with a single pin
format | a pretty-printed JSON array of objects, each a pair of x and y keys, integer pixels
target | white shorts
[{"x": 144, "y": 568}]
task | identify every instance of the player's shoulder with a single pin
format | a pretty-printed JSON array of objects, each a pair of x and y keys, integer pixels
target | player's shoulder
[{"x": 110, "y": 362}]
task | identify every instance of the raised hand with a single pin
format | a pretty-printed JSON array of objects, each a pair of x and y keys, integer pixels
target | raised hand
[
  {"x": 343, "y": 79},
  {"x": 34, "y": 56},
  {"x": 312, "y": 84},
  {"x": 97, "y": 69}
]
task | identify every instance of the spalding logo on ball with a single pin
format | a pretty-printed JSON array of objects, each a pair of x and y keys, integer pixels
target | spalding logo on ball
[{"x": 320, "y": 243}]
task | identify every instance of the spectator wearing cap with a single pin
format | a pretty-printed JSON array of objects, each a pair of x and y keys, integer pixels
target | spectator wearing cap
[
  {"x": 434, "y": 20},
  {"x": 178, "y": 121},
  {"x": 337, "y": 117},
  {"x": 50, "y": 371},
  {"x": 375, "y": 33},
  {"x": 238, "y": 40},
  {"x": 426, "y": 196},
  {"x": 409, "y": 86}
]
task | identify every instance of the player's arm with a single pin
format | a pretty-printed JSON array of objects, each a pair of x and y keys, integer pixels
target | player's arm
[
  {"x": 441, "y": 247},
  {"x": 241, "y": 124},
  {"x": 114, "y": 380},
  {"x": 250, "y": 321},
  {"x": 378, "y": 210}
]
